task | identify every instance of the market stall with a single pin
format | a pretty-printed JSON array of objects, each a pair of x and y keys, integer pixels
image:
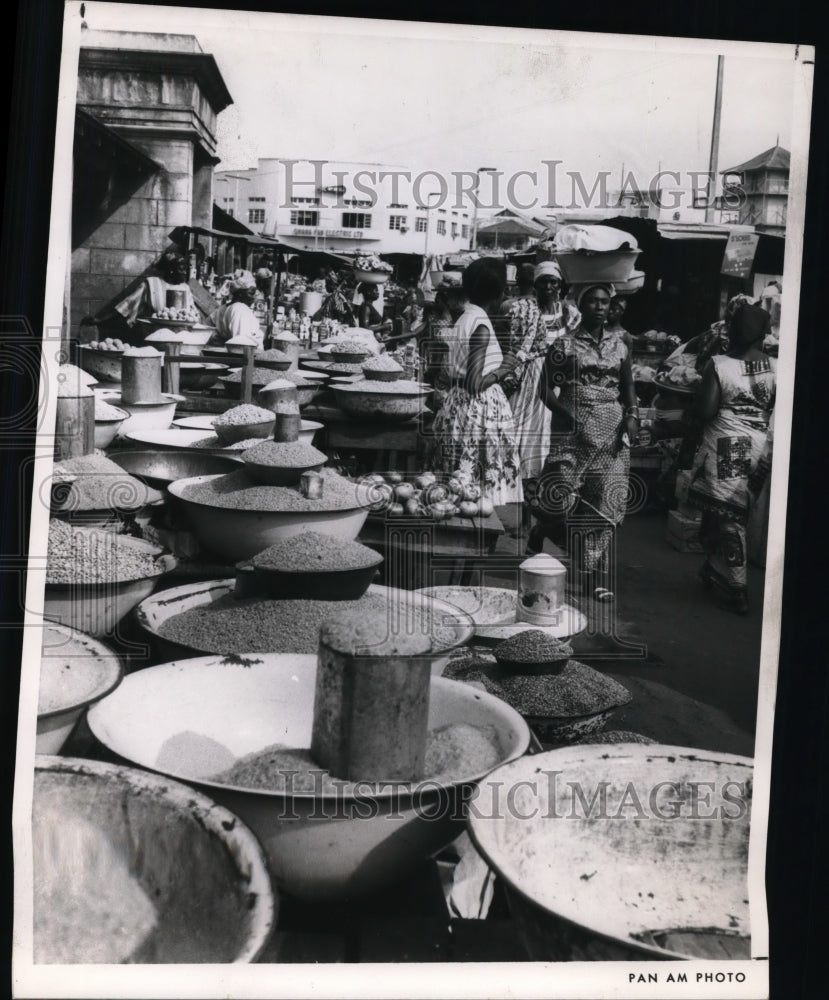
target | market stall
[{"x": 294, "y": 623}]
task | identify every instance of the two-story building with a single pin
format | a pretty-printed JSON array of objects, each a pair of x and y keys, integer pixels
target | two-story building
[
  {"x": 346, "y": 206},
  {"x": 760, "y": 188}
]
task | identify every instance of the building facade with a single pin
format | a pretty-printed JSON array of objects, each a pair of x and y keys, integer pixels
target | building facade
[
  {"x": 762, "y": 189},
  {"x": 346, "y": 206}
]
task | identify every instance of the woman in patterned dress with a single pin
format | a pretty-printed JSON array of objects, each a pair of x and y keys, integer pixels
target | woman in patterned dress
[
  {"x": 734, "y": 404},
  {"x": 474, "y": 430},
  {"x": 535, "y": 325},
  {"x": 584, "y": 482}
]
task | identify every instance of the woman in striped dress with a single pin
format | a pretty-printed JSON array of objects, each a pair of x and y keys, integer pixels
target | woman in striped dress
[{"x": 474, "y": 429}]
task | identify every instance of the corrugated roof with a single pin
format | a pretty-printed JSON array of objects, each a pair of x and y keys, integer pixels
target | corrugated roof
[{"x": 775, "y": 158}]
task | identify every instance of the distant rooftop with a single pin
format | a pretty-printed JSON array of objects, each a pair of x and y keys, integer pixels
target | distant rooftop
[
  {"x": 148, "y": 41},
  {"x": 775, "y": 158}
]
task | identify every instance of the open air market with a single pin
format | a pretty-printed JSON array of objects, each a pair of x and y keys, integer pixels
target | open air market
[{"x": 368, "y": 507}]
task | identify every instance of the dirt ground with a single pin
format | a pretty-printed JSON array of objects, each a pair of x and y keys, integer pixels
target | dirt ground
[{"x": 691, "y": 667}]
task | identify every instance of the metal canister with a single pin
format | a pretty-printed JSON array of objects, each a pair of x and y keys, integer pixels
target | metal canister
[
  {"x": 176, "y": 298},
  {"x": 286, "y": 426},
  {"x": 141, "y": 378},
  {"x": 541, "y": 588}
]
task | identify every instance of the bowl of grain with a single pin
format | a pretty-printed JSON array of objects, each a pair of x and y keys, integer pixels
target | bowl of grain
[
  {"x": 240, "y": 423},
  {"x": 108, "y": 421},
  {"x": 533, "y": 652},
  {"x": 349, "y": 351},
  {"x": 274, "y": 359},
  {"x": 316, "y": 566},
  {"x": 375, "y": 400},
  {"x": 221, "y": 616},
  {"x": 235, "y": 517},
  {"x": 239, "y": 729},
  {"x": 160, "y": 468},
  {"x": 94, "y": 577},
  {"x": 281, "y": 463},
  {"x": 605, "y": 854},
  {"x": 382, "y": 368},
  {"x": 199, "y": 374},
  {"x": 75, "y": 671},
  {"x": 130, "y": 867}
]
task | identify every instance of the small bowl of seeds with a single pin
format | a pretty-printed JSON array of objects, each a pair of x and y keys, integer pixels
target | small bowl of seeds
[
  {"x": 240, "y": 423},
  {"x": 382, "y": 368},
  {"x": 532, "y": 652},
  {"x": 281, "y": 463}
]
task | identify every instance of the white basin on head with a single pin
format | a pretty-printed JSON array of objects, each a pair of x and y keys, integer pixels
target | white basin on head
[{"x": 325, "y": 846}]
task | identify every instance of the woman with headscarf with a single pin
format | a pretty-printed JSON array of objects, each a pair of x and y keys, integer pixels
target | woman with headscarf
[
  {"x": 441, "y": 316},
  {"x": 536, "y": 323},
  {"x": 237, "y": 321},
  {"x": 595, "y": 420},
  {"x": 474, "y": 430},
  {"x": 734, "y": 405}
]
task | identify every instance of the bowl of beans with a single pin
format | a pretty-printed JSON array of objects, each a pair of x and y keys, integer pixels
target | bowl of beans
[
  {"x": 238, "y": 728},
  {"x": 317, "y": 566},
  {"x": 95, "y": 577},
  {"x": 75, "y": 671},
  {"x": 240, "y": 423}
]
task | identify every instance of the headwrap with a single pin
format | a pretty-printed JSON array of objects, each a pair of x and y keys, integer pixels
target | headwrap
[
  {"x": 547, "y": 268},
  {"x": 584, "y": 289},
  {"x": 450, "y": 279},
  {"x": 264, "y": 272},
  {"x": 243, "y": 281},
  {"x": 736, "y": 303}
]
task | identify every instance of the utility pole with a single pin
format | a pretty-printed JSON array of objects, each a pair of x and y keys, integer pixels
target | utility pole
[
  {"x": 478, "y": 172},
  {"x": 715, "y": 143}
]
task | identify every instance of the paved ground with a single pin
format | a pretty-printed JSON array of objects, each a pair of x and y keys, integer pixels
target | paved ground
[{"x": 691, "y": 667}]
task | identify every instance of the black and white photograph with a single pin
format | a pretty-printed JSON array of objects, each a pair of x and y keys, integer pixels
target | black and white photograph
[{"x": 408, "y": 508}]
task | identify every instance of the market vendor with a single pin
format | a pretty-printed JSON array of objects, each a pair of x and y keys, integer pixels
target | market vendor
[
  {"x": 367, "y": 317},
  {"x": 150, "y": 296},
  {"x": 595, "y": 421},
  {"x": 237, "y": 320}
]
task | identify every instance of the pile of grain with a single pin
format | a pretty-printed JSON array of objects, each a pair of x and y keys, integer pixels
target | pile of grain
[
  {"x": 260, "y": 625},
  {"x": 101, "y": 484},
  {"x": 103, "y": 411},
  {"x": 73, "y": 381},
  {"x": 273, "y": 354},
  {"x": 453, "y": 753},
  {"x": 313, "y": 552},
  {"x": 247, "y": 413},
  {"x": 259, "y": 376},
  {"x": 349, "y": 345},
  {"x": 532, "y": 646},
  {"x": 382, "y": 363},
  {"x": 235, "y": 491},
  {"x": 359, "y": 634},
  {"x": 284, "y": 455},
  {"x": 402, "y": 387},
  {"x": 94, "y": 556},
  {"x": 212, "y": 441},
  {"x": 577, "y": 691}
]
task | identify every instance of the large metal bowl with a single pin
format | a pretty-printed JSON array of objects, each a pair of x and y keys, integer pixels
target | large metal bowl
[
  {"x": 385, "y": 406},
  {"x": 104, "y": 365},
  {"x": 160, "y": 468},
  {"x": 197, "y": 871},
  {"x": 199, "y": 374},
  {"x": 622, "y": 852},
  {"x": 237, "y": 534},
  {"x": 323, "y": 846}
]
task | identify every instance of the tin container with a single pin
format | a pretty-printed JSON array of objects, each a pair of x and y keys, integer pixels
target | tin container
[
  {"x": 541, "y": 586},
  {"x": 176, "y": 299},
  {"x": 291, "y": 347},
  {"x": 141, "y": 378},
  {"x": 286, "y": 426}
]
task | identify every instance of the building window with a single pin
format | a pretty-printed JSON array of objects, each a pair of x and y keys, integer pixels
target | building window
[
  {"x": 230, "y": 212},
  {"x": 397, "y": 222},
  {"x": 228, "y": 201},
  {"x": 465, "y": 232},
  {"x": 420, "y": 225},
  {"x": 454, "y": 230},
  {"x": 356, "y": 220},
  {"x": 358, "y": 202},
  {"x": 395, "y": 205},
  {"x": 441, "y": 227},
  {"x": 256, "y": 216},
  {"x": 304, "y": 218},
  {"x": 256, "y": 198},
  {"x": 304, "y": 201}
]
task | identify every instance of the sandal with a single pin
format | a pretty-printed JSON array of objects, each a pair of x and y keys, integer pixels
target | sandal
[{"x": 601, "y": 595}]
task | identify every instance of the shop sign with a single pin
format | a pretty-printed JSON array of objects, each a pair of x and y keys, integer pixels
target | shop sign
[
  {"x": 739, "y": 254},
  {"x": 342, "y": 234}
]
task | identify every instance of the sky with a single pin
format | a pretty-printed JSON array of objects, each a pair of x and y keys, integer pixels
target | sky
[{"x": 457, "y": 98}]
